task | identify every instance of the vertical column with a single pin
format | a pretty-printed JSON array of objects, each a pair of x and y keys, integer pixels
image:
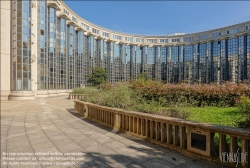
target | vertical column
[{"x": 5, "y": 48}]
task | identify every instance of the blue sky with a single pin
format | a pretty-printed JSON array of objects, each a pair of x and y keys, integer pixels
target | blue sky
[{"x": 162, "y": 17}]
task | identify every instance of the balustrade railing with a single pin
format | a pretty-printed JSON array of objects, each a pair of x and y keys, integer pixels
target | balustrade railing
[
  {"x": 219, "y": 144},
  {"x": 76, "y": 96}
]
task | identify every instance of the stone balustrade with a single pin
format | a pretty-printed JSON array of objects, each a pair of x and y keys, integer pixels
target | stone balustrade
[
  {"x": 76, "y": 96},
  {"x": 190, "y": 138}
]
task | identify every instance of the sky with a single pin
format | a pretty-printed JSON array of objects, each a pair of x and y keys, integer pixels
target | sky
[{"x": 162, "y": 17}]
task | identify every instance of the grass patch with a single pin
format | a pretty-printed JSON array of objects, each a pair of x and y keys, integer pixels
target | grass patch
[{"x": 226, "y": 116}]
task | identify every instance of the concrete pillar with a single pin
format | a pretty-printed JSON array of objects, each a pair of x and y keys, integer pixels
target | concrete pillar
[
  {"x": 34, "y": 47},
  {"x": 5, "y": 49}
]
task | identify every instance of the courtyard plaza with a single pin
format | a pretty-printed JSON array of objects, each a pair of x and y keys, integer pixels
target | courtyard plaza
[{"x": 47, "y": 132}]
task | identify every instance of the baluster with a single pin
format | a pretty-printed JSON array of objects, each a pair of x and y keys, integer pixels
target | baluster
[
  {"x": 143, "y": 127},
  {"x": 163, "y": 132},
  {"x": 233, "y": 144},
  {"x": 245, "y": 153},
  {"x": 147, "y": 128},
  {"x": 139, "y": 125},
  {"x": 135, "y": 125},
  {"x": 169, "y": 134},
  {"x": 152, "y": 129},
  {"x": 222, "y": 145},
  {"x": 130, "y": 124},
  {"x": 183, "y": 137},
  {"x": 176, "y": 136}
]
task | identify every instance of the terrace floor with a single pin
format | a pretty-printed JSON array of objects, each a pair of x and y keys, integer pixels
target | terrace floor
[{"x": 46, "y": 132}]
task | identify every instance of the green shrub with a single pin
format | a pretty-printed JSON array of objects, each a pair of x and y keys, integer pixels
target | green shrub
[
  {"x": 243, "y": 105},
  {"x": 122, "y": 96},
  {"x": 223, "y": 95}
]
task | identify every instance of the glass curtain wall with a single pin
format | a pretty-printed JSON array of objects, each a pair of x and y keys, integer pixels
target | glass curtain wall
[
  {"x": 115, "y": 63},
  {"x": 62, "y": 53},
  {"x": 65, "y": 56},
  {"x": 71, "y": 56},
  {"x": 42, "y": 66},
  {"x": 174, "y": 72},
  {"x": 248, "y": 58},
  {"x": 202, "y": 63},
  {"x": 233, "y": 59},
  {"x": 52, "y": 59},
  {"x": 224, "y": 61},
  {"x": 79, "y": 59},
  {"x": 163, "y": 64},
  {"x": 158, "y": 70},
  {"x": 123, "y": 63},
  {"x": 241, "y": 63},
  {"x": 216, "y": 61},
  {"x": 188, "y": 64},
  {"x": 181, "y": 65},
  {"x": 150, "y": 62},
  {"x": 128, "y": 62},
  {"x": 21, "y": 45}
]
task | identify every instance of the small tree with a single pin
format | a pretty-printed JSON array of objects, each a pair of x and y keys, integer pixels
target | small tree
[
  {"x": 144, "y": 76},
  {"x": 97, "y": 77}
]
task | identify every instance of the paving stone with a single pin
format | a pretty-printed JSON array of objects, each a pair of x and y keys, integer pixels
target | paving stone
[
  {"x": 43, "y": 145},
  {"x": 62, "y": 141},
  {"x": 68, "y": 147},
  {"x": 39, "y": 140},
  {"x": 155, "y": 163},
  {"x": 114, "y": 144}
]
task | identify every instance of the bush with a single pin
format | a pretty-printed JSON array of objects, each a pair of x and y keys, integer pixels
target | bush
[
  {"x": 223, "y": 95},
  {"x": 243, "y": 105},
  {"x": 122, "y": 96}
]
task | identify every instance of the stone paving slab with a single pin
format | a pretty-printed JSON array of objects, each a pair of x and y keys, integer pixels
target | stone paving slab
[{"x": 49, "y": 133}]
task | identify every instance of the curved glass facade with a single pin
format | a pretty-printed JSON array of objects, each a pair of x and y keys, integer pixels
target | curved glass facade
[{"x": 68, "y": 47}]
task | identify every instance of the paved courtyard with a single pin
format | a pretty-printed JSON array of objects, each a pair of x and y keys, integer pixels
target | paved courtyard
[{"x": 46, "y": 132}]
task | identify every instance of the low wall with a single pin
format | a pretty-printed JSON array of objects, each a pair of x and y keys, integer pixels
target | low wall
[{"x": 190, "y": 138}]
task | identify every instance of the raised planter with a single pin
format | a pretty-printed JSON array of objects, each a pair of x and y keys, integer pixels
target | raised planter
[{"x": 190, "y": 138}]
